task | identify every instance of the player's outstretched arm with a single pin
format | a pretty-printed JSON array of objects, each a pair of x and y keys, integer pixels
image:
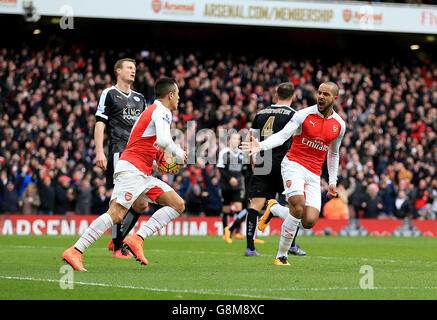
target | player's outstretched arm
[
  {"x": 273, "y": 141},
  {"x": 251, "y": 146}
]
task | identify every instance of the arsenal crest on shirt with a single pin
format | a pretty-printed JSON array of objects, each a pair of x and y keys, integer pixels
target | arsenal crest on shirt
[{"x": 128, "y": 196}]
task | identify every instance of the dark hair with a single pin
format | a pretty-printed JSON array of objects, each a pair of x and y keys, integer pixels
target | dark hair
[
  {"x": 119, "y": 64},
  {"x": 163, "y": 86},
  {"x": 285, "y": 90}
]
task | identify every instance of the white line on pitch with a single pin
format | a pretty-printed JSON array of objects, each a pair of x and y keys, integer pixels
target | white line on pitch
[
  {"x": 211, "y": 292},
  {"x": 235, "y": 254},
  {"x": 226, "y": 292}
]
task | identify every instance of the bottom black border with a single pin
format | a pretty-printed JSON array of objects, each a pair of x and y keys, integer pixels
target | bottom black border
[{"x": 214, "y": 309}]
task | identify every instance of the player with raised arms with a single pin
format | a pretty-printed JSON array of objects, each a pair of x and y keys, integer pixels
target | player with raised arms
[
  {"x": 133, "y": 180},
  {"x": 317, "y": 134}
]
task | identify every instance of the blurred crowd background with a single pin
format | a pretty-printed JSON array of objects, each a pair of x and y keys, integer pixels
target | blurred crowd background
[{"x": 49, "y": 91}]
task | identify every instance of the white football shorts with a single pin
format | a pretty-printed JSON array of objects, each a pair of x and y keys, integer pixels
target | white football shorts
[
  {"x": 130, "y": 185},
  {"x": 298, "y": 180}
]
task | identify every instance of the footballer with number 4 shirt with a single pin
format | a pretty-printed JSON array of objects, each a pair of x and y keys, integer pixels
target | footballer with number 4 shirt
[
  {"x": 133, "y": 180},
  {"x": 317, "y": 133}
]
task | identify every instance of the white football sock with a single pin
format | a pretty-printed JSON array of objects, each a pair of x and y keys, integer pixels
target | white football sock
[
  {"x": 94, "y": 231},
  {"x": 157, "y": 221},
  {"x": 238, "y": 217},
  {"x": 288, "y": 232},
  {"x": 280, "y": 211},
  {"x": 241, "y": 214}
]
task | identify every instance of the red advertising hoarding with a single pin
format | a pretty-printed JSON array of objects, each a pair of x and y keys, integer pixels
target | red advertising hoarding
[{"x": 77, "y": 224}]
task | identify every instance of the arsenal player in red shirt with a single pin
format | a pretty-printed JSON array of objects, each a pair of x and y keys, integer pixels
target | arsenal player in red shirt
[
  {"x": 317, "y": 134},
  {"x": 133, "y": 180}
]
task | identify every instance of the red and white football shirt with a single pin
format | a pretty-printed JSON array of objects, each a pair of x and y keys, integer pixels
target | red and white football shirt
[
  {"x": 314, "y": 137},
  {"x": 150, "y": 131}
]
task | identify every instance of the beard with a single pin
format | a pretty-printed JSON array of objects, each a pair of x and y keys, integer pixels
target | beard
[{"x": 324, "y": 107}]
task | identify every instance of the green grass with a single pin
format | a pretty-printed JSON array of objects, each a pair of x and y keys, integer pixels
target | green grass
[{"x": 206, "y": 268}]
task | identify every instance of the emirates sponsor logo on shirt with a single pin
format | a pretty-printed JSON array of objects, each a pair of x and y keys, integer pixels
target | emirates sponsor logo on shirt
[{"x": 316, "y": 144}]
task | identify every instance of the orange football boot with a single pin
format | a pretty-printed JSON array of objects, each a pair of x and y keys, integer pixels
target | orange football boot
[
  {"x": 267, "y": 216},
  {"x": 74, "y": 258},
  {"x": 134, "y": 244},
  {"x": 227, "y": 235},
  {"x": 121, "y": 254}
]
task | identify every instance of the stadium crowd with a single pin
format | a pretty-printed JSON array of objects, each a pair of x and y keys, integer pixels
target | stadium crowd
[{"x": 48, "y": 101}]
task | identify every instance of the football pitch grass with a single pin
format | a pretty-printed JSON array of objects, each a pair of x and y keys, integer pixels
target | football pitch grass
[{"x": 207, "y": 268}]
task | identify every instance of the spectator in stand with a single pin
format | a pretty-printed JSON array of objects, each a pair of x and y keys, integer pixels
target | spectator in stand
[
  {"x": 46, "y": 194},
  {"x": 433, "y": 199},
  {"x": 372, "y": 204},
  {"x": 388, "y": 194},
  {"x": 9, "y": 195},
  {"x": 84, "y": 195},
  {"x": 23, "y": 179},
  {"x": 212, "y": 193},
  {"x": 194, "y": 203},
  {"x": 357, "y": 198},
  {"x": 100, "y": 200},
  {"x": 355, "y": 163},
  {"x": 62, "y": 201},
  {"x": 29, "y": 201},
  {"x": 181, "y": 183},
  {"x": 402, "y": 206},
  {"x": 344, "y": 194},
  {"x": 402, "y": 173},
  {"x": 421, "y": 200}
]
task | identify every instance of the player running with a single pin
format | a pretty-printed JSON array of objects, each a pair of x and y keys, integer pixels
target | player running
[
  {"x": 262, "y": 187},
  {"x": 133, "y": 178},
  {"x": 318, "y": 131},
  {"x": 119, "y": 107}
]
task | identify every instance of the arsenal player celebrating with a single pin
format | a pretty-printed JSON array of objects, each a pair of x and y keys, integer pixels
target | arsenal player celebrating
[
  {"x": 318, "y": 131},
  {"x": 133, "y": 180}
]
